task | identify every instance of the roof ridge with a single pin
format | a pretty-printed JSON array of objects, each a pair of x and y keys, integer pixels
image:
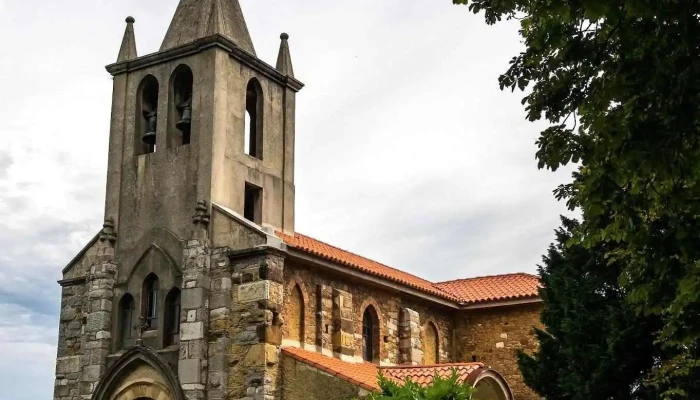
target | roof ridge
[{"x": 489, "y": 276}]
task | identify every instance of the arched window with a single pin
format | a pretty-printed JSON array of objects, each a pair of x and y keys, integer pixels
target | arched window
[
  {"x": 254, "y": 119},
  {"x": 180, "y": 108},
  {"x": 126, "y": 320},
  {"x": 146, "y": 116},
  {"x": 172, "y": 318},
  {"x": 431, "y": 346},
  {"x": 370, "y": 335},
  {"x": 296, "y": 315},
  {"x": 150, "y": 301}
]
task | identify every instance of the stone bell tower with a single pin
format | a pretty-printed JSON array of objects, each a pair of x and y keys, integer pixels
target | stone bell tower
[
  {"x": 178, "y": 296},
  {"x": 203, "y": 120}
]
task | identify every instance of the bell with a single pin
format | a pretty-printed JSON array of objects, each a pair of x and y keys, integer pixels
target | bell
[
  {"x": 184, "y": 124},
  {"x": 186, "y": 121},
  {"x": 151, "y": 119}
]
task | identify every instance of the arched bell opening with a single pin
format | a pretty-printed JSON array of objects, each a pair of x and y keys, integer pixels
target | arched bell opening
[
  {"x": 146, "y": 116},
  {"x": 253, "y": 131},
  {"x": 180, "y": 108}
]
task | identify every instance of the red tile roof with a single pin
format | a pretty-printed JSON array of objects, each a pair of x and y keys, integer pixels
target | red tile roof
[
  {"x": 332, "y": 253},
  {"x": 360, "y": 374},
  {"x": 493, "y": 288},
  {"x": 365, "y": 374},
  {"x": 424, "y": 374},
  {"x": 473, "y": 290}
]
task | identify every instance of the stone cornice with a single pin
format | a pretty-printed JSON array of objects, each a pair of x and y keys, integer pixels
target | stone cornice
[
  {"x": 73, "y": 281},
  {"x": 200, "y": 45}
]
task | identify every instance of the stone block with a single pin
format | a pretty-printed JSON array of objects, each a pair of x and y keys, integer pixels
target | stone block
[
  {"x": 98, "y": 321},
  {"x": 189, "y": 371},
  {"x": 67, "y": 365},
  {"x": 91, "y": 373},
  {"x": 255, "y": 291},
  {"x": 191, "y": 331},
  {"x": 193, "y": 298}
]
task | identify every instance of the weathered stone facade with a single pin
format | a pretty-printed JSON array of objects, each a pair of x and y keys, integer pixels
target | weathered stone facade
[
  {"x": 389, "y": 307},
  {"x": 494, "y": 335},
  {"x": 189, "y": 291},
  {"x": 303, "y": 382}
]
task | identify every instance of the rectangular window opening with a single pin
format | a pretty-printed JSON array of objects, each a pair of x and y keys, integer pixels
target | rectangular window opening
[{"x": 252, "y": 207}]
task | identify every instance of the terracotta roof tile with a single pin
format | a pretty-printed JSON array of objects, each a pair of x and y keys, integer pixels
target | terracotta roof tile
[
  {"x": 360, "y": 374},
  {"x": 365, "y": 374},
  {"x": 493, "y": 288},
  {"x": 424, "y": 375},
  {"x": 332, "y": 253},
  {"x": 472, "y": 290}
]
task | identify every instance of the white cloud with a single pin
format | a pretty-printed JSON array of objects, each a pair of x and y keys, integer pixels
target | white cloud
[{"x": 407, "y": 152}]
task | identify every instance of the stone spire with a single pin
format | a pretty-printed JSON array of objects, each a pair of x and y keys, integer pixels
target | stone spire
[
  {"x": 284, "y": 59},
  {"x": 196, "y": 19},
  {"x": 128, "y": 49}
]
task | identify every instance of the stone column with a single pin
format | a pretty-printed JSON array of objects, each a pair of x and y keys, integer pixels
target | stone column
[
  {"x": 343, "y": 329},
  {"x": 410, "y": 348},
  {"x": 219, "y": 325},
  {"x": 98, "y": 323},
  {"x": 256, "y": 324},
  {"x": 193, "y": 365},
  {"x": 324, "y": 321}
]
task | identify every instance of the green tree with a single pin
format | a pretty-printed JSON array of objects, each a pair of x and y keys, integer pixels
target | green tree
[
  {"x": 619, "y": 84},
  {"x": 594, "y": 345},
  {"x": 441, "y": 389}
]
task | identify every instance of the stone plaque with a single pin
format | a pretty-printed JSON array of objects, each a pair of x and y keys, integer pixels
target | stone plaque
[{"x": 254, "y": 291}]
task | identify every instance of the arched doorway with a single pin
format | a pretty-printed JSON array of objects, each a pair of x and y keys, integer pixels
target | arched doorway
[{"x": 139, "y": 375}]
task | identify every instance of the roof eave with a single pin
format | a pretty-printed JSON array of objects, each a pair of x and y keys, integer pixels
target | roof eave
[
  {"x": 501, "y": 303},
  {"x": 302, "y": 256}
]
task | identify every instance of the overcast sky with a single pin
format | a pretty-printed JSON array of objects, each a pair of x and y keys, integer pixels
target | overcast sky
[{"x": 407, "y": 151}]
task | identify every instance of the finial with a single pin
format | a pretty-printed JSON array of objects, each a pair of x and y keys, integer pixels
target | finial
[
  {"x": 128, "y": 49},
  {"x": 284, "y": 59}
]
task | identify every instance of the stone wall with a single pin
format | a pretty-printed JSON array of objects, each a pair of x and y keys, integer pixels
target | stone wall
[
  {"x": 255, "y": 326},
  {"x": 70, "y": 346},
  {"x": 317, "y": 288},
  {"x": 494, "y": 335},
  {"x": 302, "y": 382}
]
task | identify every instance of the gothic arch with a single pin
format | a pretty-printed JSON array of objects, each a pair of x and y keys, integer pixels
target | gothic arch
[
  {"x": 371, "y": 308},
  {"x": 180, "y": 105},
  {"x": 254, "y": 119},
  {"x": 296, "y": 313},
  {"x": 112, "y": 387},
  {"x": 158, "y": 239},
  {"x": 431, "y": 343}
]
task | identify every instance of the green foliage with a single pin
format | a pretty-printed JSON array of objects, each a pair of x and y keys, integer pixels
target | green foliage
[
  {"x": 594, "y": 345},
  {"x": 619, "y": 84},
  {"x": 441, "y": 389}
]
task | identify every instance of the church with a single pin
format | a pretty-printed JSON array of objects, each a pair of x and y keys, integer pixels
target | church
[{"x": 198, "y": 287}]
